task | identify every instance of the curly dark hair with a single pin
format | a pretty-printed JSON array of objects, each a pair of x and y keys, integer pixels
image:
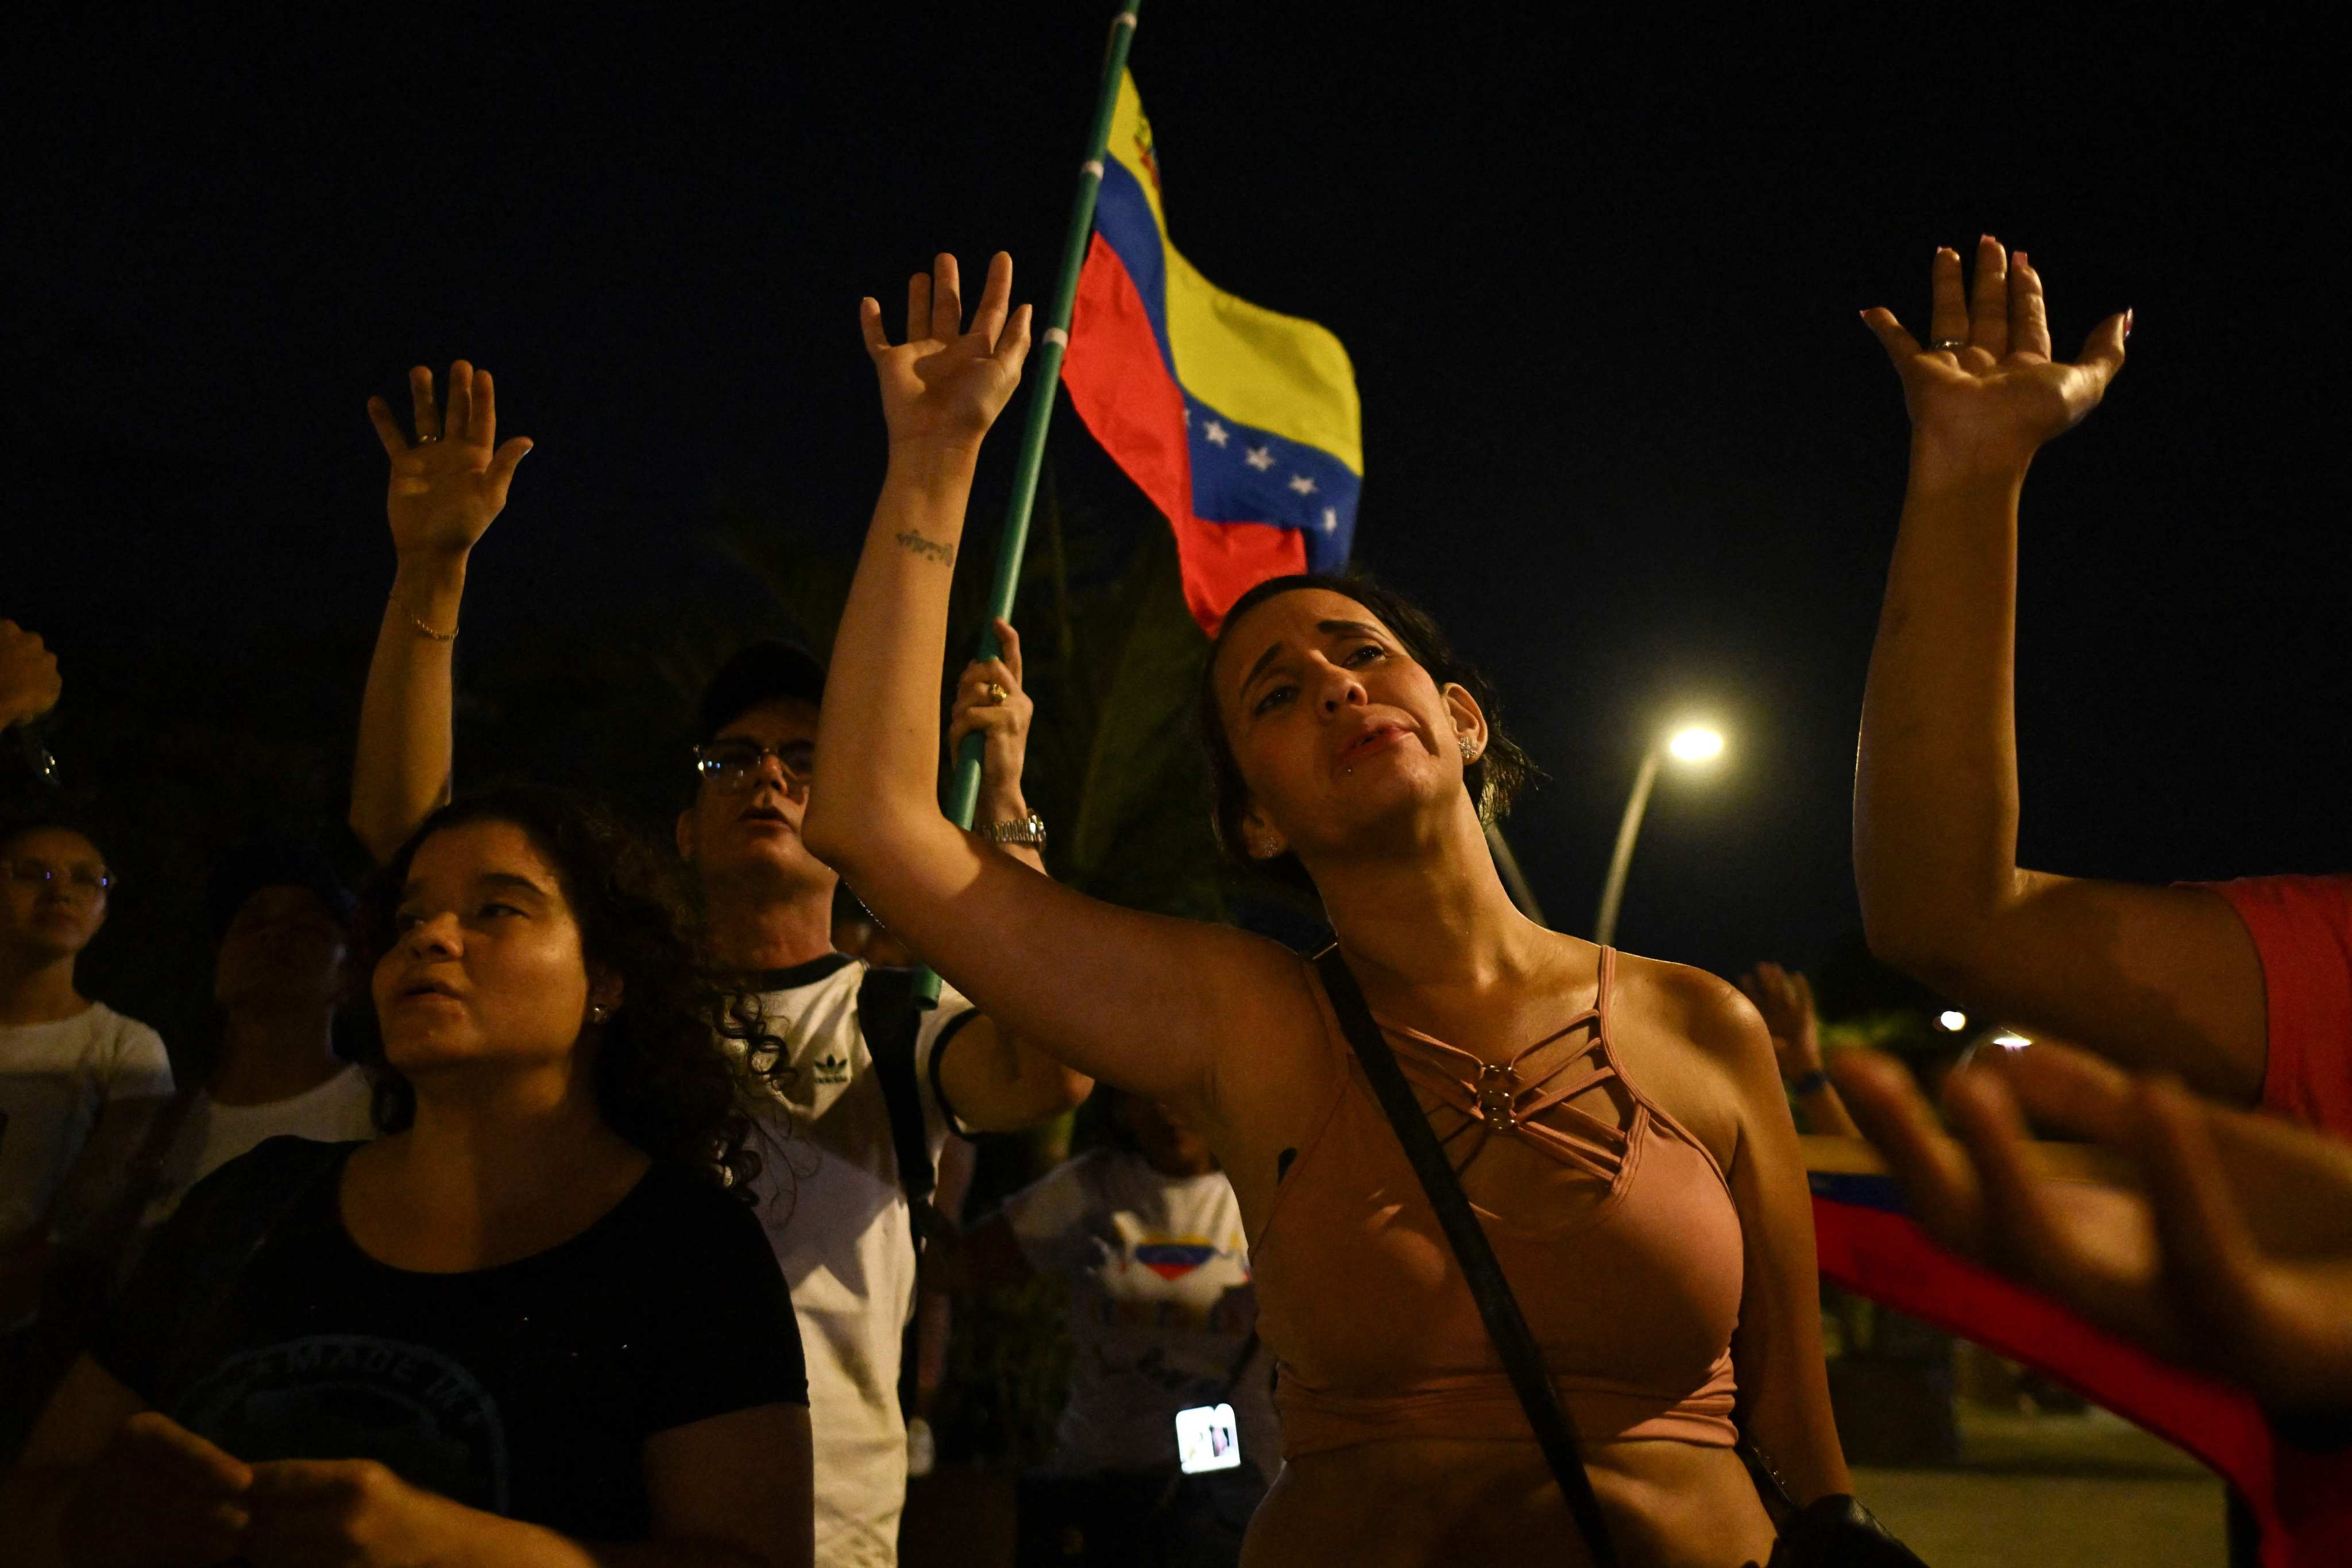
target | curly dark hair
[
  {"x": 1493, "y": 781},
  {"x": 666, "y": 1080}
]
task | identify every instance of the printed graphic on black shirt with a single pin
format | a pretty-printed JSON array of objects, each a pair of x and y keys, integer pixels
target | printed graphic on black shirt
[{"x": 408, "y": 1406}]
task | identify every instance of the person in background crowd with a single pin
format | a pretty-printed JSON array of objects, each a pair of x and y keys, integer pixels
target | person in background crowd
[
  {"x": 1162, "y": 1317},
  {"x": 923, "y": 1367},
  {"x": 1650, "y": 1196},
  {"x": 2234, "y": 1257},
  {"x": 1786, "y": 1003},
  {"x": 280, "y": 919},
  {"x": 847, "y": 1236},
  {"x": 2243, "y": 989},
  {"x": 536, "y": 1314},
  {"x": 81, "y": 1087}
]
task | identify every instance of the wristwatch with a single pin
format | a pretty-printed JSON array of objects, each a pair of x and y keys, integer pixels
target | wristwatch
[{"x": 1029, "y": 830}]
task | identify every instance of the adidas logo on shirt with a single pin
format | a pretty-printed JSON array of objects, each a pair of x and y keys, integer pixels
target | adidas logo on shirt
[{"x": 832, "y": 1068}]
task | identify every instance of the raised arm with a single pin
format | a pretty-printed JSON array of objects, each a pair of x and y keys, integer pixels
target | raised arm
[
  {"x": 2156, "y": 977},
  {"x": 1139, "y": 1000},
  {"x": 447, "y": 487}
]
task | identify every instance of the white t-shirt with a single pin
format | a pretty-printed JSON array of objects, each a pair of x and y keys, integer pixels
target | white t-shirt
[
  {"x": 210, "y": 1134},
  {"x": 1160, "y": 1306},
  {"x": 836, "y": 1215},
  {"x": 54, "y": 1079}
]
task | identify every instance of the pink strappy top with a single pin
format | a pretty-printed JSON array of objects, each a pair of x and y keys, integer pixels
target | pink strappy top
[{"x": 1621, "y": 1242}]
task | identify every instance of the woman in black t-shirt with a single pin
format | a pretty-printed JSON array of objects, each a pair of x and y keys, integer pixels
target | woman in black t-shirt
[{"x": 535, "y": 1314}]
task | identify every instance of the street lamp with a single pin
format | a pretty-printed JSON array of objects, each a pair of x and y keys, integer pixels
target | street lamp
[{"x": 1693, "y": 743}]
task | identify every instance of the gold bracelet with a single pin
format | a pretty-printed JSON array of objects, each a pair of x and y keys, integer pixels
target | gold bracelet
[{"x": 450, "y": 636}]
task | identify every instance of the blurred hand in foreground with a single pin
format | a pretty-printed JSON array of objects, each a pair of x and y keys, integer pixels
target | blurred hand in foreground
[{"x": 2233, "y": 1257}]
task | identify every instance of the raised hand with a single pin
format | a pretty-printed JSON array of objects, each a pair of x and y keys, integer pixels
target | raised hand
[
  {"x": 29, "y": 684},
  {"x": 1786, "y": 1001},
  {"x": 1985, "y": 388},
  {"x": 450, "y": 484},
  {"x": 944, "y": 386},
  {"x": 990, "y": 703}
]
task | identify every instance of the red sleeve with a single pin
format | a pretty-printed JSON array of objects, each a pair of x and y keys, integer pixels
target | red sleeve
[{"x": 2302, "y": 926}]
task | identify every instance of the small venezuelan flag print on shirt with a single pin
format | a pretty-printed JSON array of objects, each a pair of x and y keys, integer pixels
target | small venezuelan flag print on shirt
[
  {"x": 1173, "y": 1259},
  {"x": 1241, "y": 424}
]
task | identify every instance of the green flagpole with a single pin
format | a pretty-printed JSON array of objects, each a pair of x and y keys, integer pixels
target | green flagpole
[{"x": 963, "y": 791}]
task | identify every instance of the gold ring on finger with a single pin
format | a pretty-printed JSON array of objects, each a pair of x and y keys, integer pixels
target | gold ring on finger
[
  {"x": 426, "y": 440},
  {"x": 1948, "y": 346},
  {"x": 997, "y": 693}
]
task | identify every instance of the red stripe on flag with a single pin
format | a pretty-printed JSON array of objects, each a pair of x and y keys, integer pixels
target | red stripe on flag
[
  {"x": 2299, "y": 1499},
  {"x": 1222, "y": 561},
  {"x": 1121, "y": 388}
]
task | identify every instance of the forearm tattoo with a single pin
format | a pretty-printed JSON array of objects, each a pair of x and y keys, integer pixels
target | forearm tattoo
[{"x": 930, "y": 549}]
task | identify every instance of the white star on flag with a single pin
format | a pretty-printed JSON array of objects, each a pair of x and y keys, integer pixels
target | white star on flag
[
  {"x": 1331, "y": 519},
  {"x": 1302, "y": 484},
  {"x": 1261, "y": 458},
  {"x": 1217, "y": 433},
  {"x": 1188, "y": 416}
]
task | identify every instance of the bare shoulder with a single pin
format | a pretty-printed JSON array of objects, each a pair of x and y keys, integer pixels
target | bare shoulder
[
  {"x": 1704, "y": 1053},
  {"x": 1704, "y": 1008}
]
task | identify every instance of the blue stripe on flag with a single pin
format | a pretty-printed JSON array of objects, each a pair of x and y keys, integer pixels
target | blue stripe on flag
[
  {"x": 1123, "y": 217},
  {"x": 1243, "y": 474},
  {"x": 1857, "y": 1190}
]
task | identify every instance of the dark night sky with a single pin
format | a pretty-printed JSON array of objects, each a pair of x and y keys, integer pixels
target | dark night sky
[{"x": 1623, "y": 433}]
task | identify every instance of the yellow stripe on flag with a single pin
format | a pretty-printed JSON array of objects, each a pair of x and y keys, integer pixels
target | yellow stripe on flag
[{"x": 1282, "y": 374}]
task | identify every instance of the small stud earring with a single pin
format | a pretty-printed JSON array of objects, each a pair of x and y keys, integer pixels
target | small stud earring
[
  {"x": 598, "y": 1013},
  {"x": 1469, "y": 751}
]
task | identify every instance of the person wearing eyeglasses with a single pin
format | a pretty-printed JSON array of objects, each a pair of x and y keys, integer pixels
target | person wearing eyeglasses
[
  {"x": 80, "y": 1086},
  {"x": 833, "y": 1196}
]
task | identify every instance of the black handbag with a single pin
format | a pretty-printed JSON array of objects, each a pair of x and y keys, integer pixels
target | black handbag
[{"x": 1834, "y": 1531}]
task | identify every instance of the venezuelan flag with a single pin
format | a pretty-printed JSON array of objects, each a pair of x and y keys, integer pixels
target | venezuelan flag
[{"x": 1241, "y": 424}]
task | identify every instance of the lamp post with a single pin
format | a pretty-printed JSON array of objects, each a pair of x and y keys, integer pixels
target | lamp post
[{"x": 1694, "y": 743}]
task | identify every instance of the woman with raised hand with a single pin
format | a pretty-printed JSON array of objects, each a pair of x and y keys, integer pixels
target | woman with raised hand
[
  {"x": 534, "y": 1323},
  {"x": 1638, "y": 1171}
]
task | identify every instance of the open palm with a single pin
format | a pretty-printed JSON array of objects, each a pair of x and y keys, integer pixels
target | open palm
[
  {"x": 449, "y": 485},
  {"x": 1986, "y": 385},
  {"x": 945, "y": 386}
]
